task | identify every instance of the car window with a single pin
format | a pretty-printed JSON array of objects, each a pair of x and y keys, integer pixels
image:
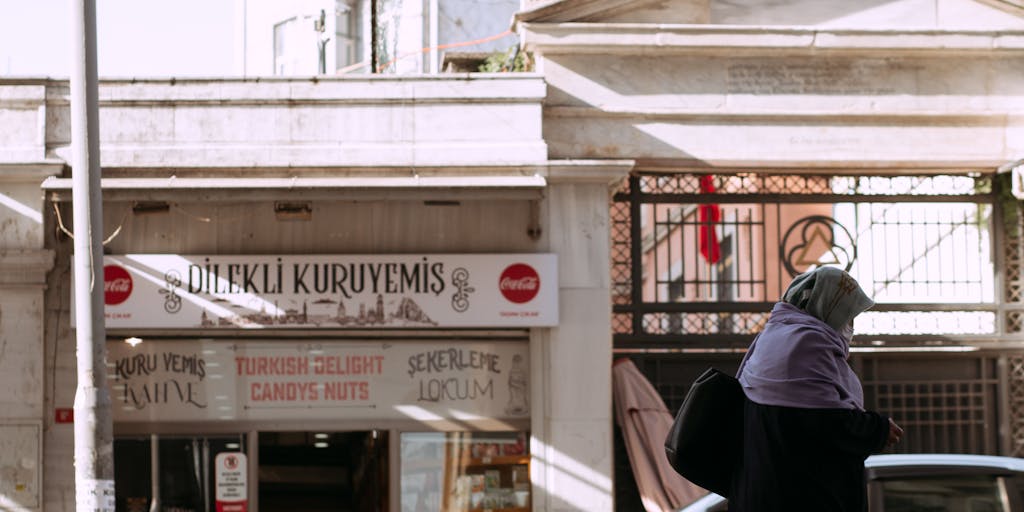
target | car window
[
  {"x": 1015, "y": 488},
  {"x": 969, "y": 493}
]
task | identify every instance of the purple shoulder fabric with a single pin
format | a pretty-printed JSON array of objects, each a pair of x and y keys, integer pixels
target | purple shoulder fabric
[{"x": 799, "y": 361}]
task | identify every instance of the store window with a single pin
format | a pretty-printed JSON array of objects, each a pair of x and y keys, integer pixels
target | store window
[
  {"x": 462, "y": 471},
  {"x": 184, "y": 468}
]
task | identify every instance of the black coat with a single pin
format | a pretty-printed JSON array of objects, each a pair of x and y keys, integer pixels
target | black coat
[{"x": 805, "y": 459}]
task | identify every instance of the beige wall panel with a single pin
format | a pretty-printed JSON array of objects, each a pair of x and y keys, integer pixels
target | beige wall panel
[
  {"x": 21, "y": 216},
  {"x": 580, "y": 467},
  {"x": 1015, "y": 135},
  {"x": 20, "y": 466},
  {"x": 20, "y": 134},
  {"x": 239, "y": 124},
  {"x": 146, "y": 124},
  {"x": 335, "y": 228},
  {"x": 440, "y": 123},
  {"x": 349, "y": 123},
  {"x": 61, "y": 380},
  {"x": 867, "y": 85},
  {"x": 581, "y": 346},
  {"x": 436, "y": 120},
  {"x": 21, "y": 359},
  {"x": 798, "y": 141},
  {"x": 578, "y": 228}
]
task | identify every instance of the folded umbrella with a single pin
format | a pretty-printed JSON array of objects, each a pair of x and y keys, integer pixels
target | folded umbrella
[{"x": 645, "y": 421}]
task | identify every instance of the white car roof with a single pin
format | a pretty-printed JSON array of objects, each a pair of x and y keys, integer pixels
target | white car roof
[
  {"x": 929, "y": 459},
  {"x": 907, "y": 460}
]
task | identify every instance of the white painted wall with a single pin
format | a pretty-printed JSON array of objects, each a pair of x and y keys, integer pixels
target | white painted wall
[{"x": 348, "y": 121}]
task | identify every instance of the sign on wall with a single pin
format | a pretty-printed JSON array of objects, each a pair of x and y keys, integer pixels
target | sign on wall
[
  {"x": 231, "y": 482},
  {"x": 330, "y": 292},
  {"x": 299, "y": 380}
]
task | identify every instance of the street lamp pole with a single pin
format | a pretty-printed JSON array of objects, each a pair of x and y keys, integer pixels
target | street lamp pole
[{"x": 94, "y": 443}]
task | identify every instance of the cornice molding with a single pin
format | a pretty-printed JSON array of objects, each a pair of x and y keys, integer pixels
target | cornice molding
[
  {"x": 607, "y": 172},
  {"x": 30, "y": 171},
  {"x": 651, "y": 39},
  {"x": 25, "y": 267},
  {"x": 463, "y": 88}
]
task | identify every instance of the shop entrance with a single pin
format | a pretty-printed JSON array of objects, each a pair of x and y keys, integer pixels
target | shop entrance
[
  {"x": 183, "y": 467},
  {"x": 323, "y": 471},
  {"x": 309, "y": 471}
]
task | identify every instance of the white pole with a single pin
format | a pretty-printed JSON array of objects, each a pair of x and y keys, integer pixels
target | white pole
[{"x": 94, "y": 447}]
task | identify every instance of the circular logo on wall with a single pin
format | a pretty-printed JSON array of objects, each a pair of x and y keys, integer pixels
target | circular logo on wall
[
  {"x": 117, "y": 285},
  {"x": 815, "y": 241},
  {"x": 519, "y": 283}
]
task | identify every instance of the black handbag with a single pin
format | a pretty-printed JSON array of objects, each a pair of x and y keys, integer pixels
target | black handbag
[{"x": 705, "y": 442}]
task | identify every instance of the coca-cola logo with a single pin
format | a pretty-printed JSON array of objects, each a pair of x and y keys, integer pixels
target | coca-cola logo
[
  {"x": 519, "y": 283},
  {"x": 117, "y": 285}
]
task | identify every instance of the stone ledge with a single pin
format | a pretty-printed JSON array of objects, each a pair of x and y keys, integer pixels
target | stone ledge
[
  {"x": 29, "y": 171},
  {"x": 609, "y": 172},
  {"x": 649, "y": 39},
  {"x": 448, "y": 87},
  {"x": 25, "y": 267},
  {"x": 853, "y": 117},
  {"x": 384, "y": 154}
]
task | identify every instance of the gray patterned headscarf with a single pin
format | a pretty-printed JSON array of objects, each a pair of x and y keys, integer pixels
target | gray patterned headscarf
[{"x": 828, "y": 294}]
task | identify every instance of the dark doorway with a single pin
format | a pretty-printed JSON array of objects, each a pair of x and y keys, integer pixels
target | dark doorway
[{"x": 323, "y": 471}]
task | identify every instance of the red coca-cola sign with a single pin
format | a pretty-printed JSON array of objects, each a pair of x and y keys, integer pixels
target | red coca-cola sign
[
  {"x": 117, "y": 285},
  {"x": 519, "y": 283}
]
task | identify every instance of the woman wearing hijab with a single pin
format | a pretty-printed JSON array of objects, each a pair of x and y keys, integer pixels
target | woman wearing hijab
[{"x": 806, "y": 433}]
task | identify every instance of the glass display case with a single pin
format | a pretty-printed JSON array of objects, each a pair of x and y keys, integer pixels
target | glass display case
[{"x": 465, "y": 472}]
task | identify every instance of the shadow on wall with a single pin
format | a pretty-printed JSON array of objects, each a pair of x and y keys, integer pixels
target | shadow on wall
[{"x": 685, "y": 108}]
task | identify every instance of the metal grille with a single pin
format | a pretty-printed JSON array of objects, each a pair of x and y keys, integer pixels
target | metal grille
[
  {"x": 672, "y": 374},
  {"x": 944, "y": 404},
  {"x": 1015, "y": 406},
  {"x": 698, "y": 259},
  {"x": 620, "y": 257},
  {"x": 941, "y": 255},
  {"x": 769, "y": 184},
  {"x": 940, "y": 416},
  {"x": 1013, "y": 255}
]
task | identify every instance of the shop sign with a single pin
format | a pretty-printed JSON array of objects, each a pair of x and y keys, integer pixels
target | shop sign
[
  {"x": 330, "y": 292},
  {"x": 297, "y": 380},
  {"x": 230, "y": 480}
]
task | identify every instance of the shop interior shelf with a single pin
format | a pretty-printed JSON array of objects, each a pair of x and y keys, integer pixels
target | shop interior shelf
[{"x": 501, "y": 460}]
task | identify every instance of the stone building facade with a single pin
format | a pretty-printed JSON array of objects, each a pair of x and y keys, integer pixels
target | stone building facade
[{"x": 474, "y": 165}]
